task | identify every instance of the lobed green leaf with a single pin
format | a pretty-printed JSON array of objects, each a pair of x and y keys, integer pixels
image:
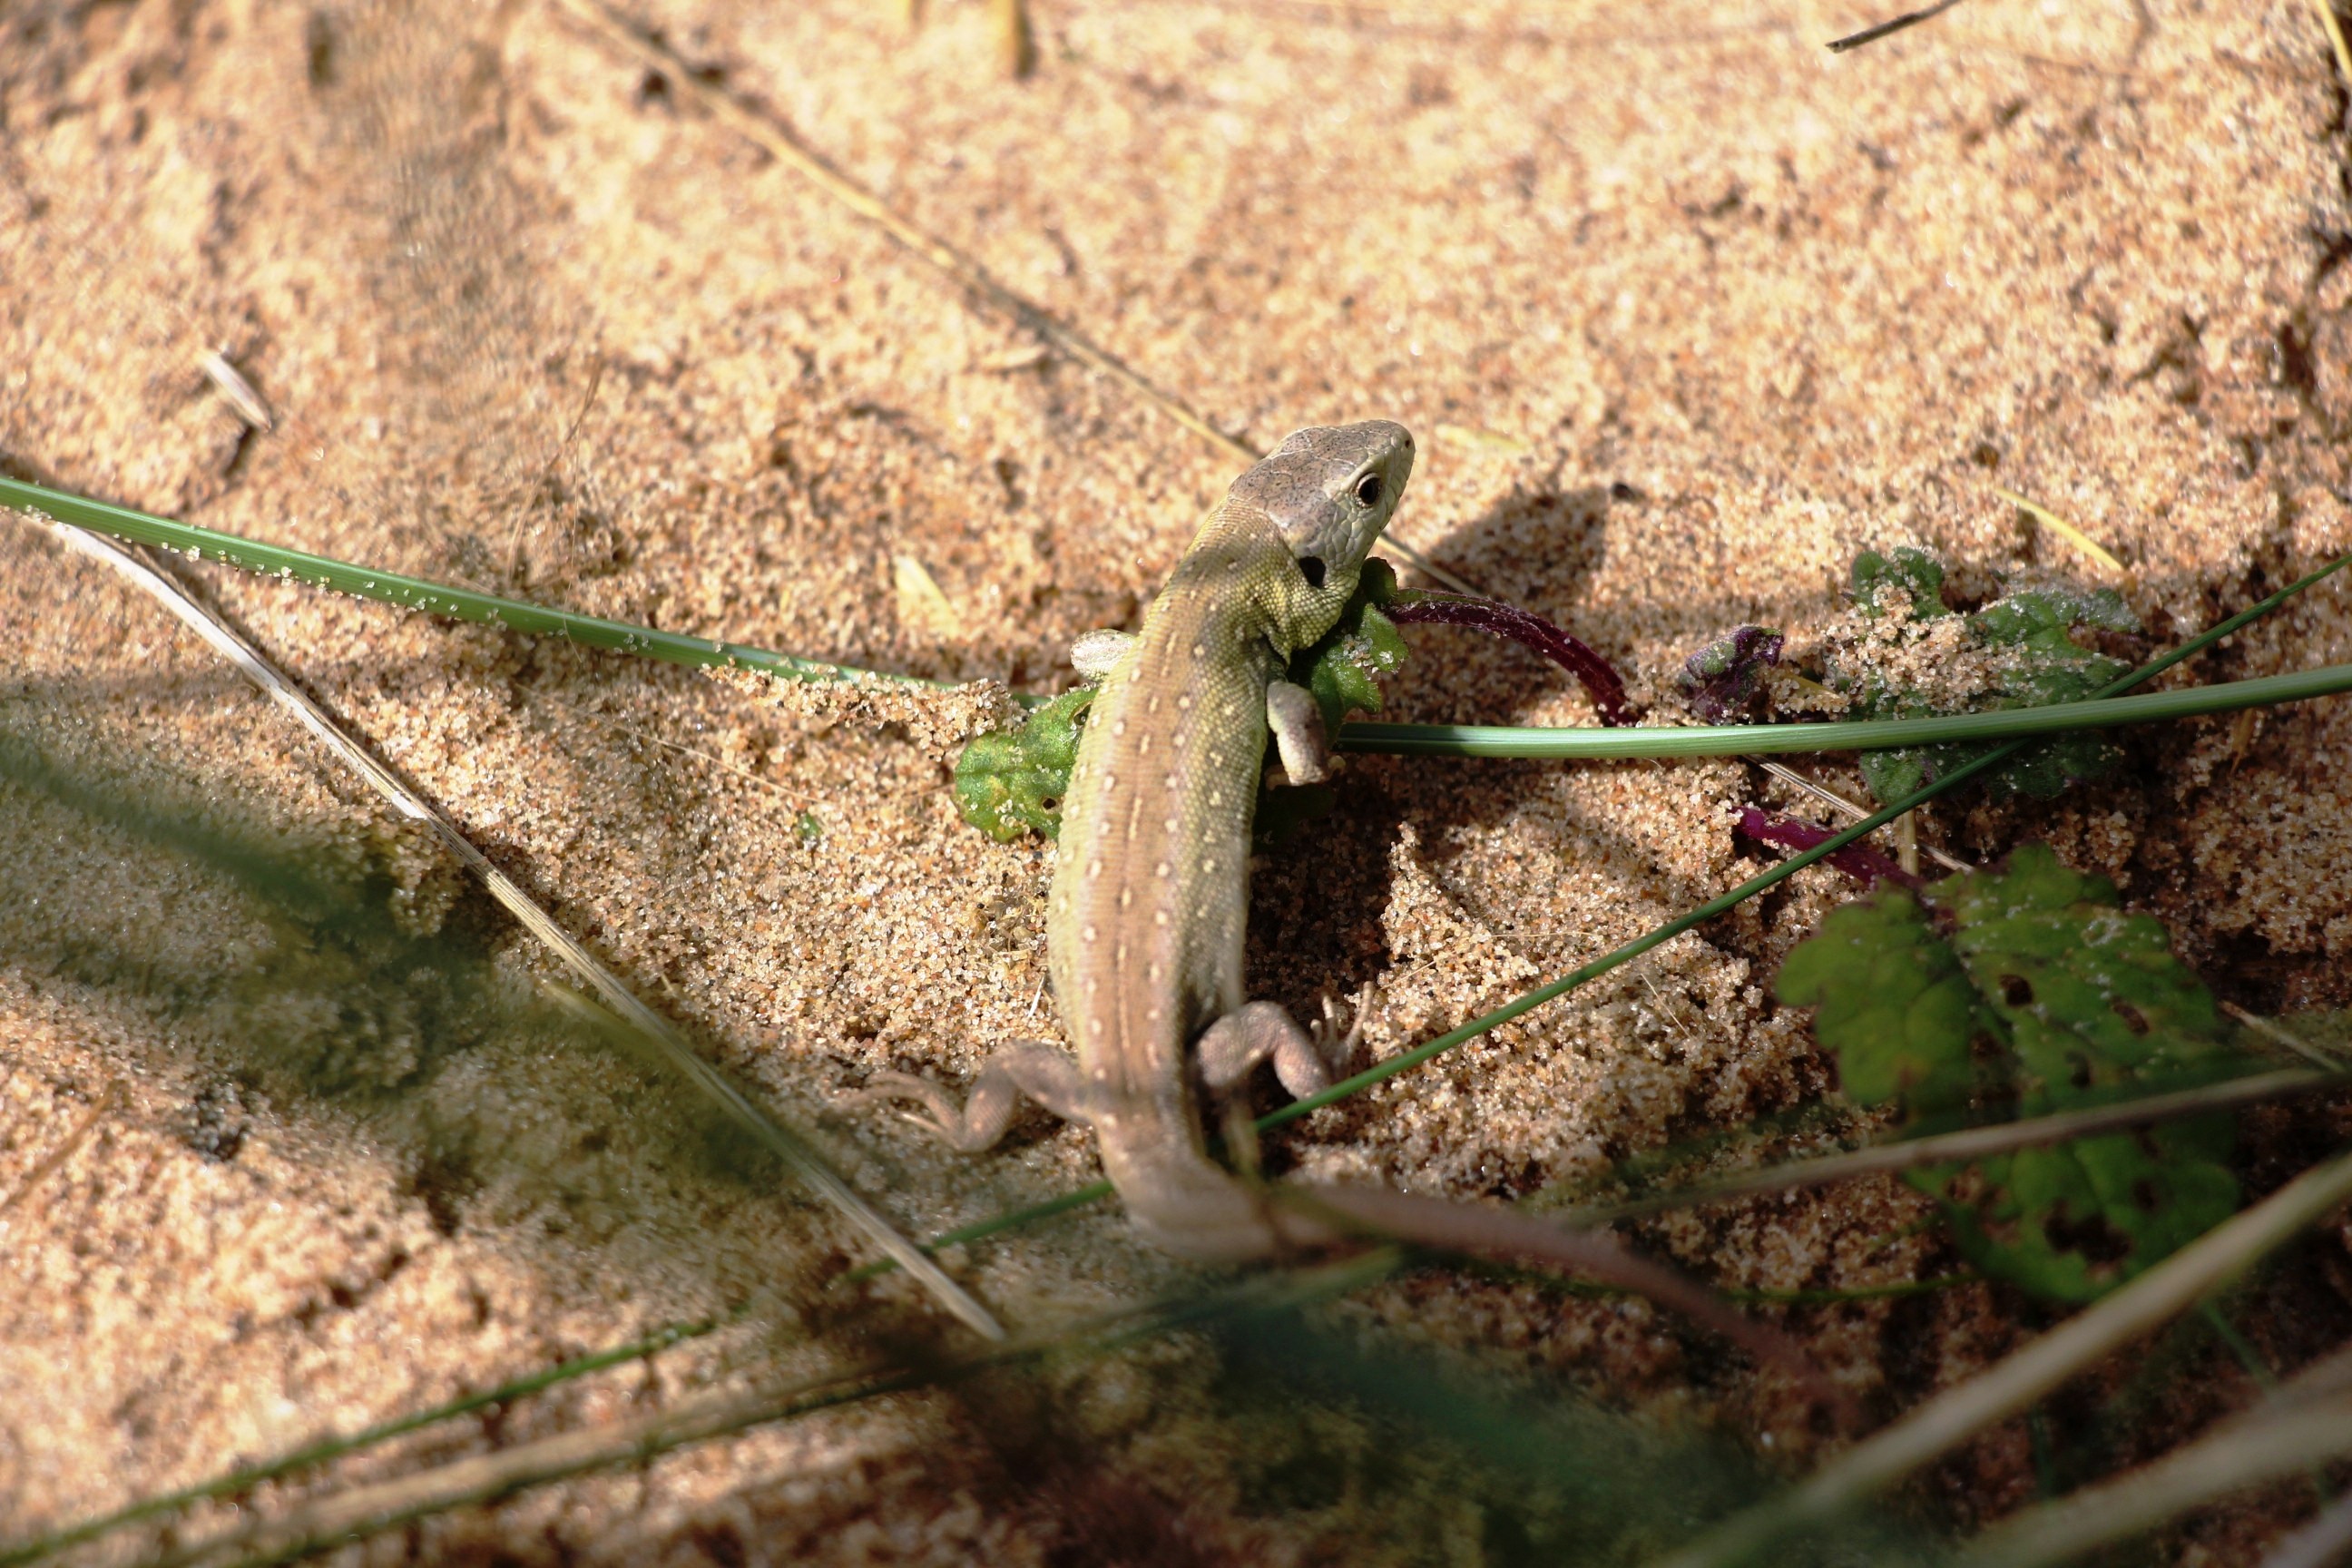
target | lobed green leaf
[
  {"x": 2028, "y": 990},
  {"x": 2037, "y": 661},
  {"x": 1012, "y": 782}
]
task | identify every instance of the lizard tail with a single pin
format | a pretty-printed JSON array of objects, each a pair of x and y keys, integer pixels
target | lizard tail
[{"x": 1502, "y": 1234}]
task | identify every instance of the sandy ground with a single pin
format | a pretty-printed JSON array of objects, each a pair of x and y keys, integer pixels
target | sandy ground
[{"x": 1686, "y": 310}]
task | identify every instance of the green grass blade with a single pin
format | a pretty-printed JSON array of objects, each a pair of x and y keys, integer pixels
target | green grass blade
[
  {"x": 244, "y": 1477},
  {"x": 1756, "y": 740},
  {"x": 418, "y": 593},
  {"x": 1402, "y": 740}
]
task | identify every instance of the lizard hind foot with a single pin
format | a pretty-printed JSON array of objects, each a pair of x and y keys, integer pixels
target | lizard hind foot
[{"x": 1336, "y": 1046}]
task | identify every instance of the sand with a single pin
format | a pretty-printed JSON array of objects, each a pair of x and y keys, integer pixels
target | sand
[{"x": 1685, "y": 309}]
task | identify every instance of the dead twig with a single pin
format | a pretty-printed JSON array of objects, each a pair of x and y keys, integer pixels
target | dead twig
[{"x": 795, "y": 1151}]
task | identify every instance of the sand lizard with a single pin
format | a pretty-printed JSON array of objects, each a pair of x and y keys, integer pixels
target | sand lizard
[{"x": 1149, "y": 895}]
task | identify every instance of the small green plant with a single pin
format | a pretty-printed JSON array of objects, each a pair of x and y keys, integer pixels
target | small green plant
[
  {"x": 2017, "y": 652},
  {"x": 1012, "y": 782},
  {"x": 2018, "y": 991}
]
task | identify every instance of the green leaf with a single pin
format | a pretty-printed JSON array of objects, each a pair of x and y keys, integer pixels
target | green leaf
[
  {"x": 1012, "y": 782},
  {"x": 1895, "y": 1005},
  {"x": 1911, "y": 581},
  {"x": 1344, "y": 668},
  {"x": 2091, "y": 996},
  {"x": 2031, "y": 987},
  {"x": 2025, "y": 643},
  {"x": 2072, "y": 1222}
]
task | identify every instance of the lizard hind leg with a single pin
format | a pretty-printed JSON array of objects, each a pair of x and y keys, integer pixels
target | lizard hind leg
[
  {"x": 1046, "y": 1074},
  {"x": 1232, "y": 1047}
]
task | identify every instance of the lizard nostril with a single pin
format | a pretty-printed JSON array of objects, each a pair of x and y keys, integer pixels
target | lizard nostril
[{"x": 1313, "y": 566}]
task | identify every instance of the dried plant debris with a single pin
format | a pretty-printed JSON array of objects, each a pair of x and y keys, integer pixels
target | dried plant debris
[
  {"x": 1724, "y": 681},
  {"x": 2025, "y": 991},
  {"x": 1860, "y": 861},
  {"x": 1906, "y": 654}
]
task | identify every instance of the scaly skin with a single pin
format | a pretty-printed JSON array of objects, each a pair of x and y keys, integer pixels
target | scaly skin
[
  {"x": 1152, "y": 892},
  {"x": 1151, "y": 889}
]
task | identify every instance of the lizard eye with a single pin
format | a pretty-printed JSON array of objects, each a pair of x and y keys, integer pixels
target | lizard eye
[
  {"x": 1367, "y": 490},
  {"x": 1313, "y": 566}
]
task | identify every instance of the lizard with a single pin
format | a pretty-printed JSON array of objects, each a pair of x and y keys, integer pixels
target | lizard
[{"x": 1149, "y": 896}]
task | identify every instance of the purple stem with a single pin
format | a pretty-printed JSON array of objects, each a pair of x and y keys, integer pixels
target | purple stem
[
  {"x": 1526, "y": 629},
  {"x": 1861, "y": 862}
]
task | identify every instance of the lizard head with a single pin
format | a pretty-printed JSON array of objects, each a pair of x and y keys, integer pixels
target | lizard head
[{"x": 1329, "y": 491}]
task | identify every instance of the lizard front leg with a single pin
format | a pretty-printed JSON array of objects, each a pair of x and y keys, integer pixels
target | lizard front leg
[
  {"x": 1046, "y": 1074},
  {"x": 1297, "y": 720},
  {"x": 1094, "y": 653}
]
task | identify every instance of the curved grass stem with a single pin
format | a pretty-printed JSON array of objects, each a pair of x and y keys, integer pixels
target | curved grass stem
[{"x": 1579, "y": 743}]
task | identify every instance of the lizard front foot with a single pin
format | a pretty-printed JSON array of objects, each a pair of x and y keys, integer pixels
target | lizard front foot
[{"x": 1042, "y": 1072}]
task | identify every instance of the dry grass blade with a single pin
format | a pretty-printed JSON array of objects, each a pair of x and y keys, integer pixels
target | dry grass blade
[
  {"x": 2097, "y": 552},
  {"x": 2318, "y": 1544},
  {"x": 109, "y": 1101},
  {"x": 2307, "y": 1422},
  {"x": 1975, "y": 1144},
  {"x": 787, "y": 150},
  {"x": 1848, "y": 809},
  {"x": 796, "y": 1152},
  {"x": 2284, "y": 1038},
  {"x": 2335, "y": 26},
  {"x": 1953, "y": 1417},
  {"x": 362, "y": 1510},
  {"x": 358, "y": 1511},
  {"x": 1872, "y": 34}
]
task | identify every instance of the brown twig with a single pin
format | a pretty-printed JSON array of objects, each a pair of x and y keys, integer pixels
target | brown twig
[
  {"x": 109, "y": 1099},
  {"x": 795, "y": 1151}
]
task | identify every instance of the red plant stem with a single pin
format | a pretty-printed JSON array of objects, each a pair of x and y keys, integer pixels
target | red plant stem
[
  {"x": 1864, "y": 864},
  {"x": 1528, "y": 629}
]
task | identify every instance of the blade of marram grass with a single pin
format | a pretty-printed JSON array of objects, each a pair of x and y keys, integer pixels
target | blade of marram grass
[
  {"x": 1970, "y": 1143},
  {"x": 798, "y": 1155},
  {"x": 420, "y": 594},
  {"x": 1584, "y": 744},
  {"x": 356, "y": 1512},
  {"x": 1952, "y": 1417},
  {"x": 244, "y": 1477},
  {"x": 1570, "y": 743}
]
